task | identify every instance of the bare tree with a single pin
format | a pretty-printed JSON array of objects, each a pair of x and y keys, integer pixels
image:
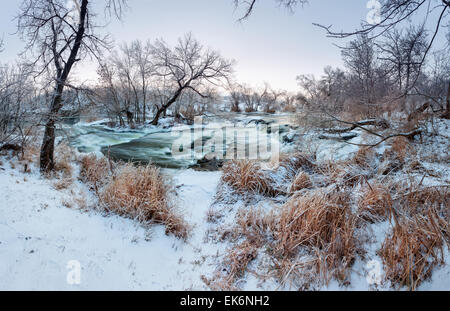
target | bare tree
[
  {"x": 188, "y": 66},
  {"x": 108, "y": 94},
  {"x": 141, "y": 55},
  {"x": 402, "y": 54},
  {"x": 16, "y": 104},
  {"x": 249, "y": 5},
  {"x": 393, "y": 14},
  {"x": 235, "y": 96},
  {"x": 60, "y": 36},
  {"x": 271, "y": 98},
  {"x": 361, "y": 60}
]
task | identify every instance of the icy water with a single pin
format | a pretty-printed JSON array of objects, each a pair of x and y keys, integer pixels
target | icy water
[{"x": 225, "y": 135}]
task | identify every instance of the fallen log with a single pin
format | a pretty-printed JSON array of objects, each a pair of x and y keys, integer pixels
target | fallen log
[
  {"x": 12, "y": 147},
  {"x": 382, "y": 123},
  {"x": 339, "y": 137}
]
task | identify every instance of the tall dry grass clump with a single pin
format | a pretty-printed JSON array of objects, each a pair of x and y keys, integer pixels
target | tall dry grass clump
[
  {"x": 63, "y": 160},
  {"x": 293, "y": 163},
  {"x": 325, "y": 225},
  {"x": 375, "y": 203},
  {"x": 400, "y": 146},
  {"x": 245, "y": 176},
  {"x": 413, "y": 248},
  {"x": 301, "y": 181},
  {"x": 332, "y": 170},
  {"x": 234, "y": 266},
  {"x": 142, "y": 193},
  {"x": 418, "y": 199},
  {"x": 254, "y": 224},
  {"x": 94, "y": 171},
  {"x": 394, "y": 157},
  {"x": 364, "y": 156}
]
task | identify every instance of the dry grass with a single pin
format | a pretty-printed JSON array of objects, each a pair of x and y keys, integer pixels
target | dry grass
[
  {"x": 419, "y": 199},
  {"x": 63, "y": 183},
  {"x": 245, "y": 176},
  {"x": 63, "y": 159},
  {"x": 297, "y": 161},
  {"x": 332, "y": 170},
  {"x": 399, "y": 148},
  {"x": 234, "y": 266},
  {"x": 375, "y": 204},
  {"x": 394, "y": 157},
  {"x": 254, "y": 224},
  {"x": 413, "y": 249},
  {"x": 142, "y": 193},
  {"x": 364, "y": 156},
  {"x": 324, "y": 224},
  {"x": 30, "y": 153},
  {"x": 301, "y": 181},
  {"x": 94, "y": 171}
]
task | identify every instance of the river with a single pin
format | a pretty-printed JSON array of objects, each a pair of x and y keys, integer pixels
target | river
[{"x": 228, "y": 135}]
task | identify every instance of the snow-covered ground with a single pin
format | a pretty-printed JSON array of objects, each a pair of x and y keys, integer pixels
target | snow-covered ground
[
  {"x": 43, "y": 233},
  {"x": 40, "y": 236}
]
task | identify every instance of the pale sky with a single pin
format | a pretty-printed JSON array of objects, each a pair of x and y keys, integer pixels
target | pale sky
[{"x": 273, "y": 45}]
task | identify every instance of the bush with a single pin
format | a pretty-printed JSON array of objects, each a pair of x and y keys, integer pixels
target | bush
[
  {"x": 94, "y": 171},
  {"x": 324, "y": 224},
  {"x": 245, "y": 176},
  {"x": 375, "y": 204},
  {"x": 301, "y": 181},
  {"x": 142, "y": 193},
  {"x": 412, "y": 250}
]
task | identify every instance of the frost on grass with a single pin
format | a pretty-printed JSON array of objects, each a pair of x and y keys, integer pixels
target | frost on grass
[
  {"x": 138, "y": 192},
  {"x": 318, "y": 216},
  {"x": 142, "y": 193}
]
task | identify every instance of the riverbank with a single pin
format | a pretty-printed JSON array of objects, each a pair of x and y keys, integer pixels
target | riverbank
[
  {"x": 43, "y": 229},
  {"x": 45, "y": 226}
]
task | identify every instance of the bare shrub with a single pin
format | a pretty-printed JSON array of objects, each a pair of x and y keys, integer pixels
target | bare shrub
[{"x": 142, "y": 193}]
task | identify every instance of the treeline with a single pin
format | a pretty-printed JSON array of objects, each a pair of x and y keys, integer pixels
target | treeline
[
  {"x": 141, "y": 82},
  {"x": 383, "y": 74}
]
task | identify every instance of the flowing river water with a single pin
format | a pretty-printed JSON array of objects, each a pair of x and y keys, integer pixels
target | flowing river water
[{"x": 231, "y": 135}]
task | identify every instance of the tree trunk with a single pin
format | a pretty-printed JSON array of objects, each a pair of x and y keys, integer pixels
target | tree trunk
[
  {"x": 48, "y": 144},
  {"x": 164, "y": 107},
  {"x": 446, "y": 114},
  {"x": 157, "y": 116},
  {"x": 47, "y": 163},
  {"x": 448, "y": 99}
]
